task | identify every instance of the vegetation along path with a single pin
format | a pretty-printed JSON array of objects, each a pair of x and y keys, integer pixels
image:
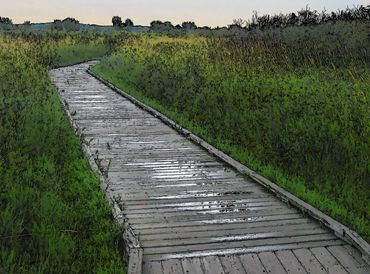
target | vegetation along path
[{"x": 189, "y": 211}]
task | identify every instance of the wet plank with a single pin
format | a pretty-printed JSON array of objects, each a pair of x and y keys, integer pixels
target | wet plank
[{"x": 296, "y": 240}]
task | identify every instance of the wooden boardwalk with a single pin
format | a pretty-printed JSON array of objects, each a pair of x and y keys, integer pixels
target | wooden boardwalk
[{"x": 191, "y": 212}]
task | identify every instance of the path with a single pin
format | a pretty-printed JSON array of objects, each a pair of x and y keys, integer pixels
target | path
[{"x": 191, "y": 212}]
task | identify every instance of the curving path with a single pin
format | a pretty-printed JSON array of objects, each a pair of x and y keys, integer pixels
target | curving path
[{"x": 191, "y": 212}]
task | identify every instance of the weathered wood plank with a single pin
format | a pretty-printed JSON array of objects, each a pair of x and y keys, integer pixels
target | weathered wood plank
[
  {"x": 309, "y": 262},
  {"x": 290, "y": 262},
  {"x": 271, "y": 263},
  {"x": 232, "y": 264},
  {"x": 152, "y": 267},
  {"x": 346, "y": 260},
  {"x": 240, "y": 244},
  {"x": 217, "y": 221},
  {"x": 331, "y": 265},
  {"x": 212, "y": 265},
  {"x": 192, "y": 266},
  {"x": 220, "y": 227},
  {"x": 172, "y": 266},
  {"x": 252, "y": 264},
  {"x": 241, "y": 250},
  {"x": 242, "y": 236}
]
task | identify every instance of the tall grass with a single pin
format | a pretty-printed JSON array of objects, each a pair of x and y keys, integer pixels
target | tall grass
[
  {"x": 293, "y": 104},
  {"x": 53, "y": 216}
]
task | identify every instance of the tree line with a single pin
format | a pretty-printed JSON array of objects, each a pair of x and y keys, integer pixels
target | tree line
[{"x": 304, "y": 17}]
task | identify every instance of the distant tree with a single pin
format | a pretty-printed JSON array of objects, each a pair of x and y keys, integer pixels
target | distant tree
[
  {"x": 6, "y": 23},
  {"x": 67, "y": 24},
  {"x": 161, "y": 26},
  {"x": 129, "y": 23},
  {"x": 57, "y": 25},
  {"x": 189, "y": 26},
  {"x": 6, "y": 20},
  {"x": 116, "y": 21},
  {"x": 27, "y": 23},
  {"x": 71, "y": 24}
]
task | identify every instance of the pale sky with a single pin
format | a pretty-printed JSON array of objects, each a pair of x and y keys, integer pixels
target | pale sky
[{"x": 203, "y": 12}]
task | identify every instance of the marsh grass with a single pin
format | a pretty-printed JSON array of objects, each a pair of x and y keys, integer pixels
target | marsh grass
[
  {"x": 72, "y": 54},
  {"x": 54, "y": 217}
]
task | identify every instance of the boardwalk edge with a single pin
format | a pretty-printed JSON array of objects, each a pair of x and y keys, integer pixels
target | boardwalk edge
[
  {"x": 340, "y": 230},
  {"x": 133, "y": 250}
]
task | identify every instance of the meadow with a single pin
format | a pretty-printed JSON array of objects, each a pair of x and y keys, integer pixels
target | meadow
[
  {"x": 54, "y": 218},
  {"x": 292, "y": 104}
]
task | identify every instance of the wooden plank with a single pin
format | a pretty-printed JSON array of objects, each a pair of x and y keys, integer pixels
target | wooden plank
[
  {"x": 290, "y": 262},
  {"x": 271, "y": 263},
  {"x": 192, "y": 266},
  {"x": 212, "y": 265},
  {"x": 221, "y": 227},
  {"x": 232, "y": 231},
  {"x": 232, "y": 264},
  {"x": 356, "y": 255},
  {"x": 186, "y": 213},
  {"x": 217, "y": 221},
  {"x": 243, "y": 236},
  {"x": 152, "y": 267},
  {"x": 347, "y": 261},
  {"x": 207, "y": 216},
  {"x": 296, "y": 241},
  {"x": 252, "y": 264},
  {"x": 309, "y": 262},
  {"x": 172, "y": 266},
  {"x": 331, "y": 265},
  {"x": 204, "y": 205}
]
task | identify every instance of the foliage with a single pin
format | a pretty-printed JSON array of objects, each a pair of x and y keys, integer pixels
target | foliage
[
  {"x": 67, "y": 24},
  {"x": 306, "y": 17},
  {"x": 117, "y": 21},
  {"x": 53, "y": 216},
  {"x": 294, "y": 105}
]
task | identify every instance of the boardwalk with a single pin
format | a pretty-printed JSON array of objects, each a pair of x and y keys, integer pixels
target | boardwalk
[{"x": 191, "y": 212}]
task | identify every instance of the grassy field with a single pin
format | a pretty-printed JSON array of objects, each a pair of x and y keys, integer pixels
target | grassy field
[
  {"x": 293, "y": 105},
  {"x": 54, "y": 218}
]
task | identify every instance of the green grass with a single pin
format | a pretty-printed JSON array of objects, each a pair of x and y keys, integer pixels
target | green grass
[
  {"x": 301, "y": 123},
  {"x": 73, "y": 54},
  {"x": 54, "y": 218}
]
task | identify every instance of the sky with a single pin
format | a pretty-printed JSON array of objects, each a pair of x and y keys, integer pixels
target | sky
[{"x": 202, "y": 12}]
